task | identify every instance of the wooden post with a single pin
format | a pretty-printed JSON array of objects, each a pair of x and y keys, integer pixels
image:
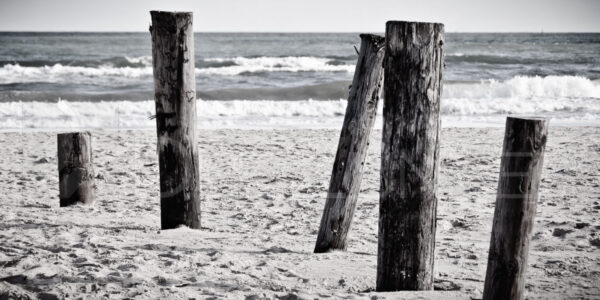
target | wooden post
[
  {"x": 75, "y": 169},
  {"x": 175, "y": 99},
  {"x": 520, "y": 173},
  {"x": 410, "y": 155},
  {"x": 352, "y": 148}
]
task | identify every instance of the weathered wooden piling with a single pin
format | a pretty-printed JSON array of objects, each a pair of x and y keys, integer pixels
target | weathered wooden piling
[
  {"x": 520, "y": 173},
  {"x": 352, "y": 148},
  {"x": 175, "y": 99},
  {"x": 410, "y": 155},
  {"x": 75, "y": 169}
]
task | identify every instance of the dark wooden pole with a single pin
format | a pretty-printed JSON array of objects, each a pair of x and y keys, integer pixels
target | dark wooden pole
[
  {"x": 75, "y": 169},
  {"x": 520, "y": 173},
  {"x": 352, "y": 148},
  {"x": 413, "y": 66},
  {"x": 175, "y": 99}
]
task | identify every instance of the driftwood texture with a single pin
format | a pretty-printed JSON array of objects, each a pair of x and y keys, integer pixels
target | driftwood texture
[
  {"x": 175, "y": 99},
  {"x": 410, "y": 155},
  {"x": 352, "y": 148},
  {"x": 75, "y": 169},
  {"x": 520, "y": 173}
]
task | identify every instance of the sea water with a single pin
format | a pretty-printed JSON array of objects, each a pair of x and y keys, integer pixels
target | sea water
[{"x": 287, "y": 80}]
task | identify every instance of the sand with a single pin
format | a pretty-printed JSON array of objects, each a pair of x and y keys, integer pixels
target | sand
[{"x": 263, "y": 194}]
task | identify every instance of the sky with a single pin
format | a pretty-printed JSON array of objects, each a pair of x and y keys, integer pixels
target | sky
[{"x": 304, "y": 15}]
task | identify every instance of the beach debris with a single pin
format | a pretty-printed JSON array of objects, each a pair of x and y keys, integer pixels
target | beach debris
[
  {"x": 560, "y": 232},
  {"x": 446, "y": 285},
  {"x": 42, "y": 160},
  {"x": 277, "y": 250}
]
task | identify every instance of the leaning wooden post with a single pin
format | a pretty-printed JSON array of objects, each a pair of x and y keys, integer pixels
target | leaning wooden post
[
  {"x": 352, "y": 148},
  {"x": 75, "y": 169},
  {"x": 175, "y": 99},
  {"x": 520, "y": 173},
  {"x": 413, "y": 66}
]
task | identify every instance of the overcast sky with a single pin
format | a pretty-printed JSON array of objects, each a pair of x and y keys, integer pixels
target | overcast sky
[{"x": 304, "y": 15}]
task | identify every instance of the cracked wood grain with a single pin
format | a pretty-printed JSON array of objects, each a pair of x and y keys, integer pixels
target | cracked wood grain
[
  {"x": 346, "y": 175},
  {"x": 75, "y": 169},
  {"x": 410, "y": 155},
  {"x": 516, "y": 199},
  {"x": 174, "y": 95}
]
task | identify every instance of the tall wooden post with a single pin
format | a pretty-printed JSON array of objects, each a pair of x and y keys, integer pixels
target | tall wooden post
[
  {"x": 75, "y": 169},
  {"x": 175, "y": 99},
  {"x": 520, "y": 173},
  {"x": 410, "y": 155},
  {"x": 352, "y": 148}
]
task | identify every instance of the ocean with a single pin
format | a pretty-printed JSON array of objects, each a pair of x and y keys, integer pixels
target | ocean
[{"x": 67, "y": 81}]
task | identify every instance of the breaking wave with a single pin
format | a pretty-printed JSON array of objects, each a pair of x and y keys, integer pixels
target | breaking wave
[
  {"x": 562, "y": 98},
  {"x": 524, "y": 87},
  {"x": 241, "y": 65},
  {"x": 139, "y": 67}
]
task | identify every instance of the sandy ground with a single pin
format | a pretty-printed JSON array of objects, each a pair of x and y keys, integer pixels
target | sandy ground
[{"x": 263, "y": 193}]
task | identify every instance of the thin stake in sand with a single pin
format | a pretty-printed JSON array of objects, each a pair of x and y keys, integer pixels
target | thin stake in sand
[
  {"x": 352, "y": 148},
  {"x": 520, "y": 173}
]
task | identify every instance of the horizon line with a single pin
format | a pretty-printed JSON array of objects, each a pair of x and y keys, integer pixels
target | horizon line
[{"x": 358, "y": 32}]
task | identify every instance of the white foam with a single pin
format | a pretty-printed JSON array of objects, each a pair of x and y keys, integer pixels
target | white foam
[
  {"x": 145, "y": 60},
  {"x": 567, "y": 100},
  {"x": 275, "y": 64},
  {"x": 272, "y": 114},
  {"x": 14, "y": 73},
  {"x": 562, "y": 97},
  {"x": 130, "y": 114},
  {"x": 523, "y": 87}
]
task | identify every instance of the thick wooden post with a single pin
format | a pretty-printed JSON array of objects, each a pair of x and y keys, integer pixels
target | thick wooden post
[
  {"x": 175, "y": 99},
  {"x": 413, "y": 66},
  {"x": 75, "y": 169},
  {"x": 352, "y": 148},
  {"x": 520, "y": 173}
]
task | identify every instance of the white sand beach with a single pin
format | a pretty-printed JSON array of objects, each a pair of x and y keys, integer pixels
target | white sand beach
[{"x": 264, "y": 192}]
